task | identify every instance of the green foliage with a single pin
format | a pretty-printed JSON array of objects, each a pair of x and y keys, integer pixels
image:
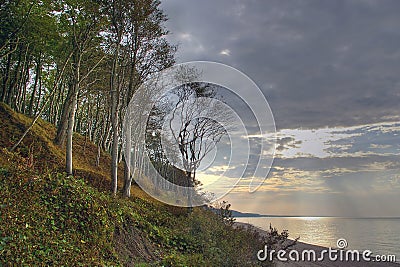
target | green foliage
[
  {"x": 224, "y": 212},
  {"x": 179, "y": 260},
  {"x": 53, "y": 220},
  {"x": 278, "y": 241},
  {"x": 4, "y": 172},
  {"x": 203, "y": 239}
]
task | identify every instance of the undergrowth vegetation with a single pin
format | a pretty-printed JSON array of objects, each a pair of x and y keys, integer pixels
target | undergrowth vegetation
[
  {"x": 57, "y": 220},
  {"x": 50, "y": 219},
  {"x": 53, "y": 220}
]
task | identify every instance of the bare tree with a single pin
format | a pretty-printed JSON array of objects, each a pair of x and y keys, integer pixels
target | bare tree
[{"x": 196, "y": 124}]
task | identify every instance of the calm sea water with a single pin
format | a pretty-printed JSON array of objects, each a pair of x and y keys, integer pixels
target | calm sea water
[{"x": 380, "y": 235}]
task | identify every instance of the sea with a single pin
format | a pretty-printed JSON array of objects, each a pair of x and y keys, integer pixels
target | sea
[{"x": 379, "y": 235}]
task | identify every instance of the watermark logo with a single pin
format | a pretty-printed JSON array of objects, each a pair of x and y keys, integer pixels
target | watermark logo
[
  {"x": 195, "y": 130},
  {"x": 328, "y": 254},
  {"x": 341, "y": 243}
]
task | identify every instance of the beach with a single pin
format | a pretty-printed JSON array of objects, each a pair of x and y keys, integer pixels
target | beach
[{"x": 300, "y": 247}]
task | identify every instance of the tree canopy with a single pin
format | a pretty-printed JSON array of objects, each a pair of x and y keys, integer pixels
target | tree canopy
[{"x": 77, "y": 63}]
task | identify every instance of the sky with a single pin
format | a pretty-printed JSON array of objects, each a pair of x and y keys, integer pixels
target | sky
[{"x": 329, "y": 70}]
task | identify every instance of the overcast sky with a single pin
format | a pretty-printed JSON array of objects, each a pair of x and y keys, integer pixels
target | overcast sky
[{"x": 330, "y": 71}]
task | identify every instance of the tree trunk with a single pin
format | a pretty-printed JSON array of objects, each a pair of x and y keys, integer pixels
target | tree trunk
[
  {"x": 114, "y": 149},
  {"x": 22, "y": 105},
  {"x": 98, "y": 155},
  {"x": 58, "y": 102},
  {"x": 6, "y": 76},
  {"x": 73, "y": 107},
  {"x": 21, "y": 81},
  {"x": 39, "y": 95},
  {"x": 14, "y": 80},
  {"x": 127, "y": 179},
  {"x": 114, "y": 89},
  {"x": 127, "y": 163},
  {"x": 63, "y": 124},
  {"x": 70, "y": 132},
  {"x": 189, "y": 190}
]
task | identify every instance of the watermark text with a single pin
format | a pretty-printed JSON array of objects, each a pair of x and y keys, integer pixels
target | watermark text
[{"x": 330, "y": 254}]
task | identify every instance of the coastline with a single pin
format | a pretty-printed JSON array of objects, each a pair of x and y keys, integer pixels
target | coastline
[{"x": 301, "y": 246}]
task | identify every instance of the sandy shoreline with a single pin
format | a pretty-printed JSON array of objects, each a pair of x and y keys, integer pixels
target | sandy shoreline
[{"x": 300, "y": 246}]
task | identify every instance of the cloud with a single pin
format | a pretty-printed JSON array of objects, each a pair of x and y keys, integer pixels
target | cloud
[
  {"x": 331, "y": 63},
  {"x": 376, "y": 146},
  {"x": 329, "y": 70},
  {"x": 324, "y": 154},
  {"x": 287, "y": 142}
]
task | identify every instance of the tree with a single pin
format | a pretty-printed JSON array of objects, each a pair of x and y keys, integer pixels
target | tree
[
  {"x": 28, "y": 33},
  {"x": 83, "y": 23},
  {"x": 14, "y": 16},
  {"x": 195, "y": 124},
  {"x": 139, "y": 49}
]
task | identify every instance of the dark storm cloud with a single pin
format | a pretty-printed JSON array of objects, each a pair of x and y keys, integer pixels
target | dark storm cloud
[{"x": 319, "y": 63}]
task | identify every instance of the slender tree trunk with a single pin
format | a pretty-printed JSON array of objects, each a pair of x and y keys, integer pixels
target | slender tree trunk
[
  {"x": 106, "y": 139},
  {"x": 114, "y": 87},
  {"x": 114, "y": 149},
  {"x": 63, "y": 124},
  {"x": 21, "y": 80},
  {"x": 98, "y": 155},
  {"x": 76, "y": 64},
  {"x": 52, "y": 109},
  {"x": 14, "y": 80},
  {"x": 58, "y": 102},
  {"x": 39, "y": 95},
  {"x": 189, "y": 190},
  {"x": 78, "y": 117},
  {"x": 22, "y": 106},
  {"x": 70, "y": 132},
  {"x": 127, "y": 163},
  {"x": 6, "y": 76},
  {"x": 127, "y": 179},
  {"x": 37, "y": 74},
  {"x": 94, "y": 123}
]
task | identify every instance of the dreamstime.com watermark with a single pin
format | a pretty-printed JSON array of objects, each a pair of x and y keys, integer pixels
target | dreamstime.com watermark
[{"x": 329, "y": 254}]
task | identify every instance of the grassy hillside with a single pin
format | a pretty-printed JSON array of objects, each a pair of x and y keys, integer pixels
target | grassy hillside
[{"x": 49, "y": 219}]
